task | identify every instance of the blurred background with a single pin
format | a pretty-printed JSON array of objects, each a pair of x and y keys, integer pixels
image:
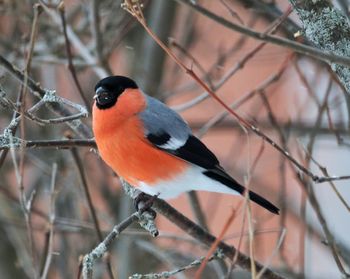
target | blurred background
[{"x": 46, "y": 222}]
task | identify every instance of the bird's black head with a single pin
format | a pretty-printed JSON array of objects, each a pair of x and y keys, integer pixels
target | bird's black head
[{"x": 108, "y": 90}]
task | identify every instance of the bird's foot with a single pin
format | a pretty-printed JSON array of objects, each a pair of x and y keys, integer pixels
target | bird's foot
[{"x": 144, "y": 202}]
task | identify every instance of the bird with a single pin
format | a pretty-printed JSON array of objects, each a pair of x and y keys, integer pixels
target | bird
[{"x": 151, "y": 146}]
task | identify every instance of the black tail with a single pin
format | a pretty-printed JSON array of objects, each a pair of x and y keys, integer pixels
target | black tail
[
  {"x": 263, "y": 202},
  {"x": 220, "y": 175}
]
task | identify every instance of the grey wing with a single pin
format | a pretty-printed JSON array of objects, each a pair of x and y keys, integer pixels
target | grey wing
[
  {"x": 163, "y": 126},
  {"x": 166, "y": 130}
]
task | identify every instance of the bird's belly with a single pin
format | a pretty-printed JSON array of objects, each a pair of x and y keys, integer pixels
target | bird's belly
[{"x": 136, "y": 160}]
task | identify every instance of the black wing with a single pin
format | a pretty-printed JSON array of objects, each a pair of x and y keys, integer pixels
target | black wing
[{"x": 195, "y": 152}]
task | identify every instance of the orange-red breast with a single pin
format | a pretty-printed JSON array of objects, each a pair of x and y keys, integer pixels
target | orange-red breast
[{"x": 151, "y": 146}]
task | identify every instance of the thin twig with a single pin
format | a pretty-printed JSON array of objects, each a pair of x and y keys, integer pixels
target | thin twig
[
  {"x": 233, "y": 13},
  {"x": 26, "y": 209},
  {"x": 27, "y": 203},
  {"x": 52, "y": 217},
  {"x": 71, "y": 67},
  {"x": 171, "y": 274},
  {"x": 273, "y": 254},
  {"x": 250, "y": 236},
  {"x": 56, "y": 144},
  {"x": 7, "y": 103},
  {"x": 97, "y": 35},
  {"x": 197, "y": 209},
  {"x": 217, "y": 241},
  {"x": 173, "y": 43}
]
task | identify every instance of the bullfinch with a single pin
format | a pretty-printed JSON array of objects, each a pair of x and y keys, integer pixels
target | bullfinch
[{"x": 152, "y": 148}]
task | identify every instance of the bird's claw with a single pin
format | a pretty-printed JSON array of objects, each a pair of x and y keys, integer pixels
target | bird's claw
[{"x": 144, "y": 202}]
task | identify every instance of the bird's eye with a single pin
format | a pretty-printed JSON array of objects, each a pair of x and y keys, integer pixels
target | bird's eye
[{"x": 104, "y": 95}]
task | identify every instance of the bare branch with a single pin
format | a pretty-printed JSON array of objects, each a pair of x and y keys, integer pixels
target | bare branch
[
  {"x": 102, "y": 248},
  {"x": 297, "y": 47}
]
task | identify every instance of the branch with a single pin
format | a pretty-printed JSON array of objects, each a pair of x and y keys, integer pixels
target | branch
[
  {"x": 199, "y": 233},
  {"x": 146, "y": 221},
  {"x": 327, "y": 28},
  {"x": 57, "y": 144},
  {"x": 171, "y": 274},
  {"x": 76, "y": 125},
  {"x": 102, "y": 248},
  {"x": 49, "y": 97},
  {"x": 297, "y": 47}
]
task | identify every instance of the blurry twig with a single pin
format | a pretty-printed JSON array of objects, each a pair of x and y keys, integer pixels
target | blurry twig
[
  {"x": 57, "y": 144},
  {"x": 337, "y": 135},
  {"x": 22, "y": 99},
  {"x": 173, "y": 43},
  {"x": 248, "y": 211},
  {"x": 236, "y": 254},
  {"x": 274, "y": 252},
  {"x": 197, "y": 209},
  {"x": 168, "y": 257},
  {"x": 52, "y": 217},
  {"x": 251, "y": 233},
  {"x": 97, "y": 35},
  {"x": 71, "y": 67},
  {"x": 171, "y": 274},
  {"x": 26, "y": 205},
  {"x": 304, "y": 81},
  {"x": 215, "y": 244},
  {"x": 232, "y": 12},
  {"x": 325, "y": 172}
]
